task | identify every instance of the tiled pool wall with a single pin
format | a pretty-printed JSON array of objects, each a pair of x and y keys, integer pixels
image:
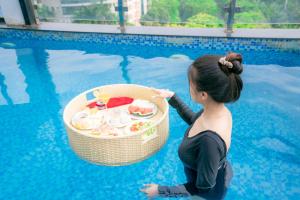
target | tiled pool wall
[{"x": 233, "y": 44}]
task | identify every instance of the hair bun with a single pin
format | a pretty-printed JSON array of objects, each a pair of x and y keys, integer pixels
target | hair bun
[{"x": 236, "y": 60}]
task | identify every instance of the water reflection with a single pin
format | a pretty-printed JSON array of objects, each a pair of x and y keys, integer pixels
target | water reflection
[
  {"x": 13, "y": 85},
  {"x": 124, "y": 68},
  {"x": 7, "y": 99}
]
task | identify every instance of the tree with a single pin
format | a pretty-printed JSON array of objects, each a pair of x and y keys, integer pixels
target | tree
[
  {"x": 251, "y": 15},
  {"x": 189, "y": 8},
  {"x": 254, "y": 13},
  {"x": 94, "y": 13},
  {"x": 281, "y": 13},
  {"x": 204, "y": 20},
  {"x": 44, "y": 12},
  {"x": 251, "y": 19},
  {"x": 163, "y": 11},
  {"x": 221, "y": 5},
  {"x": 293, "y": 12}
]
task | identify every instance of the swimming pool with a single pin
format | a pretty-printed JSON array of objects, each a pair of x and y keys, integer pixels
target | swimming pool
[{"x": 41, "y": 71}]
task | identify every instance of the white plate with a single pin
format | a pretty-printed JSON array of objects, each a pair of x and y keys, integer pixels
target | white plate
[
  {"x": 83, "y": 120},
  {"x": 139, "y": 103},
  {"x": 118, "y": 118},
  {"x": 106, "y": 130}
]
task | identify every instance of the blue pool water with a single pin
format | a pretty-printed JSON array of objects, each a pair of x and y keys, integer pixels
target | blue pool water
[{"x": 38, "y": 79}]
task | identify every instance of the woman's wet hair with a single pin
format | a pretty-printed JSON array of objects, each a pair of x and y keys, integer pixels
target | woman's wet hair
[{"x": 219, "y": 76}]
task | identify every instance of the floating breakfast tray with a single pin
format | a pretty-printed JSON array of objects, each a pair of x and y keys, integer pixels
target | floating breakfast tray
[{"x": 124, "y": 149}]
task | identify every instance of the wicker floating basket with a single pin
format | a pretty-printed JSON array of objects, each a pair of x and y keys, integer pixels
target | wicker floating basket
[{"x": 121, "y": 150}]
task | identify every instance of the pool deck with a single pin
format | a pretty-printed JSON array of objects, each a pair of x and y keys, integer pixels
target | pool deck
[{"x": 170, "y": 31}]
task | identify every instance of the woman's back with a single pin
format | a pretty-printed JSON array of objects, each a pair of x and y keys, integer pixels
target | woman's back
[{"x": 220, "y": 123}]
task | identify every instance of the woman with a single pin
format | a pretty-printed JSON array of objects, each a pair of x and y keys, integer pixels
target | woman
[{"x": 214, "y": 80}]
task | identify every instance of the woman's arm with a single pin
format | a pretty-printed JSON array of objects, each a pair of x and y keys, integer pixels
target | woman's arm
[
  {"x": 182, "y": 109},
  {"x": 173, "y": 191},
  {"x": 153, "y": 190}
]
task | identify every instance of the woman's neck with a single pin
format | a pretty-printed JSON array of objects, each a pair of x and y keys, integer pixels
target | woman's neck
[{"x": 213, "y": 109}]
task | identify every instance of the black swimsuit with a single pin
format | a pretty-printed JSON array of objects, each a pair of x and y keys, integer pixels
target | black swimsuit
[{"x": 204, "y": 158}]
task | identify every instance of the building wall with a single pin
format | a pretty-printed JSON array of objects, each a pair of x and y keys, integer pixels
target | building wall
[
  {"x": 135, "y": 10},
  {"x": 12, "y": 12}
]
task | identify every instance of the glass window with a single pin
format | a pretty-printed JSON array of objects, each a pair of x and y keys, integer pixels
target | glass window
[
  {"x": 77, "y": 11},
  {"x": 174, "y": 13},
  {"x": 268, "y": 14},
  {"x": 1, "y": 15},
  {"x": 179, "y": 13}
]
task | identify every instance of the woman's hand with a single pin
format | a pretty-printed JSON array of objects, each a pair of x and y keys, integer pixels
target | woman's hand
[
  {"x": 165, "y": 93},
  {"x": 151, "y": 190}
]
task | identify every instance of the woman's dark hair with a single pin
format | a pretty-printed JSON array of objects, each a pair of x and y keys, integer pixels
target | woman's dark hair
[{"x": 218, "y": 76}]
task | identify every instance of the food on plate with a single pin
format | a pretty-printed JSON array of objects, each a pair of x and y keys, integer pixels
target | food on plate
[
  {"x": 109, "y": 102},
  {"x": 85, "y": 120},
  {"x": 119, "y": 101},
  {"x": 106, "y": 130},
  {"x": 139, "y": 125},
  {"x": 117, "y": 118},
  {"x": 141, "y": 111},
  {"x": 142, "y": 108},
  {"x": 102, "y": 120},
  {"x": 101, "y": 96},
  {"x": 97, "y": 104}
]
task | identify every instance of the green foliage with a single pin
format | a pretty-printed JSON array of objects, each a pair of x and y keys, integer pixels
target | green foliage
[
  {"x": 278, "y": 11},
  {"x": 255, "y": 12},
  {"x": 248, "y": 5},
  {"x": 163, "y": 11},
  {"x": 197, "y": 13},
  {"x": 95, "y": 13},
  {"x": 44, "y": 12},
  {"x": 271, "y": 12},
  {"x": 251, "y": 15},
  {"x": 189, "y": 8},
  {"x": 221, "y": 5},
  {"x": 252, "y": 19},
  {"x": 293, "y": 11},
  {"x": 75, "y": 1},
  {"x": 203, "y": 20}
]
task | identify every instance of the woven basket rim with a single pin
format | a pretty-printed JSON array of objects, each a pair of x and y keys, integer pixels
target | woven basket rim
[{"x": 67, "y": 123}]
